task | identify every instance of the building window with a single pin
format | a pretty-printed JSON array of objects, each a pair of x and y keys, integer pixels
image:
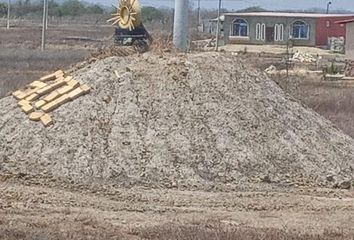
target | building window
[
  {"x": 260, "y": 31},
  {"x": 300, "y": 30},
  {"x": 278, "y": 32},
  {"x": 240, "y": 28}
]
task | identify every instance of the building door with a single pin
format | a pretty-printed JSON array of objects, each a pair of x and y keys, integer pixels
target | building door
[{"x": 270, "y": 34}]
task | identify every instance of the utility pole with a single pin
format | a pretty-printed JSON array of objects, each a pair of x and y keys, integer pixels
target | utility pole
[
  {"x": 218, "y": 28},
  {"x": 180, "y": 29},
  {"x": 199, "y": 13},
  {"x": 8, "y": 14},
  {"x": 46, "y": 18},
  {"x": 44, "y": 24}
]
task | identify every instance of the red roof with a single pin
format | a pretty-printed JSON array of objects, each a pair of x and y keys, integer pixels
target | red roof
[{"x": 345, "y": 21}]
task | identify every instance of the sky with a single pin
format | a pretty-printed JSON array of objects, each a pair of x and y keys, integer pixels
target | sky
[{"x": 240, "y": 4}]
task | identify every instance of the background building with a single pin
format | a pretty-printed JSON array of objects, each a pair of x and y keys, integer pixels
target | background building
[
  {"x": 304, "y": 29},
  {"x": 209, "y": 25},
  {"x": 349, "y": 43}
]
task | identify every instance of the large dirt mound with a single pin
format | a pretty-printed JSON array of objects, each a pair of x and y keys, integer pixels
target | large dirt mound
[{"x": 194, "y": 122}]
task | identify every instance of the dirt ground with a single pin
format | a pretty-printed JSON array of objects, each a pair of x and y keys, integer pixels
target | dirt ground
[
  {"x": 22, "y": 61},
  {"x": 276, "y": 49},
  {"x": 58, "y": 37},
  {"x": 331, "y": 99},
  {"x": 32, "y": 207}
]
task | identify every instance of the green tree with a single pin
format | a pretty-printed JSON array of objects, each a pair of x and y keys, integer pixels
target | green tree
[
  {"x": 94, "y": 9},
  {"x": 72, "y": 8},
  {"x": 3, "y": 9},
  {"x": 150, "y": 13}
]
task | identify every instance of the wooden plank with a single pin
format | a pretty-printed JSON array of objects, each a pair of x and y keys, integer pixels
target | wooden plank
[
  {"x": 65, "y": 89},
  {"x": 59, "y": 74},
  {"x": 18, "y": 94},
  {"x": 52, "y": 76},
  {"x": 32, "y": 97},
  {"x": 86, "y": 88},
  {"x": 57, "y": 84},
  {"x": 27, "y": 108},
  {"x": 40, "y": 103},
  {"x": 44, "y": 91},
  {"x": 23, "y": 102},
  {"x": 68, "y": 78},
  {"x": 37, "y": 84},
  {"x": 77, "y": 92},
  {"x": 53, "y": 95},
  {"x": 73, "y": 83},
  {"x": 56, "y": 103},
  {"x": 35, "y": 116},
  {"x": 47, "y": 120}
]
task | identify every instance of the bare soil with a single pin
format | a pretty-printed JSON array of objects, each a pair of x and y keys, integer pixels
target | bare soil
[
  {"x": 21, "y": 60},
  {"x": 62, "y": 36},
  {"x": 51, "y": 189},
  {"x": 36, "y": 209},
  {"x": 43, "y": 206}
]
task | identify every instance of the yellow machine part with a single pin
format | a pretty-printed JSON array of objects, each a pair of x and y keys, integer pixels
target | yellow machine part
[{"x": 128, "y": 14}]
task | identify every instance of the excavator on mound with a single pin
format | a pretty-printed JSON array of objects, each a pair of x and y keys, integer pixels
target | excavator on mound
[{"x": 130, "y": 30}]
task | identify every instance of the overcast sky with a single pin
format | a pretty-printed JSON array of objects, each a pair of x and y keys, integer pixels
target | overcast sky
[{"x": 239, "y": 4}]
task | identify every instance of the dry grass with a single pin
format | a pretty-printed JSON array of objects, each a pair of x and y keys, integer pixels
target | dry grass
[
  {"x": 335, "y": 104},
  {"x": 65, "y": 226},
  {"x": 57, "y": 36},
  {"x": 21, "y": 61},
  {"x": 332, "y": 102},
  {"x": 91, "y": 229},
  {"x": 217, "y": 231},
  {"x": 81, "y": 233},
  {"x": 20, "y": 66}
]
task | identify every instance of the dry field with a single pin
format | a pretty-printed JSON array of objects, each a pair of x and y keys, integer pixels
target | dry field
[
  {"x": 36, "y": 207},
  {"x": 332, "y": 100},
  {"x": 21, "y": 60},
  {"x": 32, "y": 211}
]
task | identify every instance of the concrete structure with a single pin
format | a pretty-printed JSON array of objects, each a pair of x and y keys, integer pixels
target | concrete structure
[
  {"x": 209, "y": 25},
  {"x": 304, "y": 29},
  {"x": 349, "y": 42},
  {"x": 180, "y": 26}
]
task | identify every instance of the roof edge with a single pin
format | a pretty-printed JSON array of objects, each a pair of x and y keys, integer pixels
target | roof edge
[
  {"x": 345, "y": 21},
  {"x": 288, "y": 14}
]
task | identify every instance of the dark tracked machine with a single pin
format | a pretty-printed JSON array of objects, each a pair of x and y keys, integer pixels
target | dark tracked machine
[{"x": 130, "y": 31}]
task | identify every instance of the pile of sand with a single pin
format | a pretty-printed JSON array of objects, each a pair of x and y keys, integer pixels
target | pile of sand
[{"x": 198, "y": 121}]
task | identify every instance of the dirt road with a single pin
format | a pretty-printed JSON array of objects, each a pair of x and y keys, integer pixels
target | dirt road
[{"x": 52, "y": 207}]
